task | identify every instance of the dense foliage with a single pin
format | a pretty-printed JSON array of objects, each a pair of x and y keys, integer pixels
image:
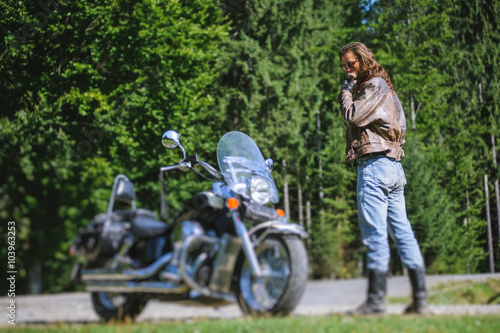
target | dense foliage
[{"x": 89, "y": 87}]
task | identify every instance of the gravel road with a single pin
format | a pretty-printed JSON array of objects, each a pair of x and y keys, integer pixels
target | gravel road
[{"x": 321, "y": 298}]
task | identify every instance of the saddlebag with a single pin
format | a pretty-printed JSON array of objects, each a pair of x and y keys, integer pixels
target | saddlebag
[{"x": 104, "y": 235}]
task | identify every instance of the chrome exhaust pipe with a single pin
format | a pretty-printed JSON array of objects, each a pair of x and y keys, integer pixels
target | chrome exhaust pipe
[
  {"x": 155, "y": 287},
  {"x": 136, "y": 287},
  {"x": 103, "y": 274}
]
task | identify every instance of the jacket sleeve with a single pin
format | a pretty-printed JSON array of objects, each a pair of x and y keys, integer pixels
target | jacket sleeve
[
  {"x": 401, "y": 116},
  {"x": 363, "y": 110}
]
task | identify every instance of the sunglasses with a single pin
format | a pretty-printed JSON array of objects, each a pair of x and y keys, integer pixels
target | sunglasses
[{"x": 349, "y": 64}]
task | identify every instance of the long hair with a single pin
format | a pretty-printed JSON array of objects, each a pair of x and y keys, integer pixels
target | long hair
[{"x": 370, "y": 68}]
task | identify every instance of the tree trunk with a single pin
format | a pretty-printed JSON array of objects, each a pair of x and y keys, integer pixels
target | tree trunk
[
  {"x": 285, "y": 190},
  {"x": 488, "y": 218},
  {"x": 301, "y": 207},
  {"x": 308, "y": 217},
  {"x": 35, "y": 278},
  {"x": 497, "y": 191},
  {"x": 497, "y": 195},
  {"x": 320, "y": 170}
]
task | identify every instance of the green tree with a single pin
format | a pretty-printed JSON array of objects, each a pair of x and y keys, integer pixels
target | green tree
[
  {"x": 283, "y": 81},
  {"x": 91, "y": 89},
  {"x": 437, "y": 55}
]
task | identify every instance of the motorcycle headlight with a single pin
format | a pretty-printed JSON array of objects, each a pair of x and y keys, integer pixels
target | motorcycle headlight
[{"x": 259, "y": 189}]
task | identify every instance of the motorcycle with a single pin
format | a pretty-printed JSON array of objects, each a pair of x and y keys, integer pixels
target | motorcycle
[{"x": 232, "y": 246}]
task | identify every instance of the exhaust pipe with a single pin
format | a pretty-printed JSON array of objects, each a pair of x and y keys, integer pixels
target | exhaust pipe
[
  {"x": 103, "y": 274},
  {"x": 155, "y": 287},
  {"x": 136, "y": 287}
]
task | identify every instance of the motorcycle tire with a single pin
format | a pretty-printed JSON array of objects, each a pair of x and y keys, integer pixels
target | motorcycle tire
[
  {"x": 284, "y": 264},
  {"x": 117, "y": 307}
]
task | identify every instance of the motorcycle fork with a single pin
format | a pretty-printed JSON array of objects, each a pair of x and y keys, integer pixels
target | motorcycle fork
[{"x": 248, "y": 249}]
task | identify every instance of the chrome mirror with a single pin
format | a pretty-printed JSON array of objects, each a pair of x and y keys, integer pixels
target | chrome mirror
[
  {"x": 170, "y": 140},
  {"x": 269, "y": 164}
]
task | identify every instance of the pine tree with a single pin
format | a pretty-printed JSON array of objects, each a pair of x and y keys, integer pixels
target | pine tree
[
  {"x": 91, "y": 89},
  {"x": 437, "y": 54},
  {"x": 283, "y": 81}
]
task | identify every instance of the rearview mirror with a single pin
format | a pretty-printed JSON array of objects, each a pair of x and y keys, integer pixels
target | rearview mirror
[
  {"x": 269, "y": 164},
  {"x": 170, "y": 140}
]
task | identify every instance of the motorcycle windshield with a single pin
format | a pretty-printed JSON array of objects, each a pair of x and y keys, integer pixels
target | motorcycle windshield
[{"x": 239, "y": 160}]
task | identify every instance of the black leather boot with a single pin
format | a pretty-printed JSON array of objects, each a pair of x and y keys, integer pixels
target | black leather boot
[
  {"x": 377, "y": 287},
  {"x": 419, "y": 304}
]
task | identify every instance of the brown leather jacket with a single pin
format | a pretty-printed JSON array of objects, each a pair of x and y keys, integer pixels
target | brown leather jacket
[{"x": 376, "y": 120}]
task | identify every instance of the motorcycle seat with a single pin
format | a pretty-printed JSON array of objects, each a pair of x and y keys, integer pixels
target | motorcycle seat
[
  {"x": 145, "y": 213},
  {"x": 147, "y": 227},
  {"x": 126, "y": 215}
]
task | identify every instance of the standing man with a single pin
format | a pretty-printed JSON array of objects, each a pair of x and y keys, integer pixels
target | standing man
[{"x": 375, "y": 135}]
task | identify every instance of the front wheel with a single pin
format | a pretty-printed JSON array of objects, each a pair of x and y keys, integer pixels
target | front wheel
[{"x": 283, "y": 262}]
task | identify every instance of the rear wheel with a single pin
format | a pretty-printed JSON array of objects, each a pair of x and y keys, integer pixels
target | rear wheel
[
  {"x": 283, "y": 262},
  {"x": 117, "y": 307}
]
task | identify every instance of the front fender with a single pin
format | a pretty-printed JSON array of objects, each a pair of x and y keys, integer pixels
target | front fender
[{"x": 277, "y": 227}]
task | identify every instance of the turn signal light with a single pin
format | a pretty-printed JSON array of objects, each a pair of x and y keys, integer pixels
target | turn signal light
[
  {"x": 280, "y": 212},
  {"x": 233, "y": 203},
  {"x": 72, "y": 250}
]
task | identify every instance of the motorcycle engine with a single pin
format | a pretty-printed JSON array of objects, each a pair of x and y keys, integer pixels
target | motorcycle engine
[
  {"x": 185, "y": 229},
  {"x": 197, "y": 261}
]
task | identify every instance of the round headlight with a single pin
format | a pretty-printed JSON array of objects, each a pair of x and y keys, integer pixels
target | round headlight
[{"x": 259, "y": 189}]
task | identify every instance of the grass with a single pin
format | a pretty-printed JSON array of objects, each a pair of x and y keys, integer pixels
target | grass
[
  {"x": 466, "y": 292},
  {"x": 460, "y": 292},
  {"x": 463, "y": 292},
  {"x": 337, "y": 324}
]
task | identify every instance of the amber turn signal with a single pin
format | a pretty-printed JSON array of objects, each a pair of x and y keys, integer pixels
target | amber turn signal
[
  {"x": 280, "y": 212},
  {"x": 72, "y": 250},
  {"x": 233, "y": 203}
]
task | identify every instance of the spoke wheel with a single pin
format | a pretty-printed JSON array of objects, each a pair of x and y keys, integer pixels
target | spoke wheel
[
  {"x": 115, "y": 306},
  {"x": 283, "y": 262}
]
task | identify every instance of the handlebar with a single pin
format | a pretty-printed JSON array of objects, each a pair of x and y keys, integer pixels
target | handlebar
[
  {"x": 185, "y": 165},
  {"x": 211, "y": 170},
  {"x": 191, "y": 161}
]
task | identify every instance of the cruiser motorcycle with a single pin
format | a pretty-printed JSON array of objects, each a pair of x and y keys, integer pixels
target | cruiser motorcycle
[{"x": 231, "y": 246}]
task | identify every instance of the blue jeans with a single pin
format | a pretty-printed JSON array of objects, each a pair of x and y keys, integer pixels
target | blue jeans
[{"x": 382, "y": 209}]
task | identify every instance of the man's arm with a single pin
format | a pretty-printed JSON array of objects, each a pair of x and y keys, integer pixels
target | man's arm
[{"x": 362, "y": 111}]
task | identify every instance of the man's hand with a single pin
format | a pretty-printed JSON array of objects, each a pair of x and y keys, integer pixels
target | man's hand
[{"x": 348, "y": 85}]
